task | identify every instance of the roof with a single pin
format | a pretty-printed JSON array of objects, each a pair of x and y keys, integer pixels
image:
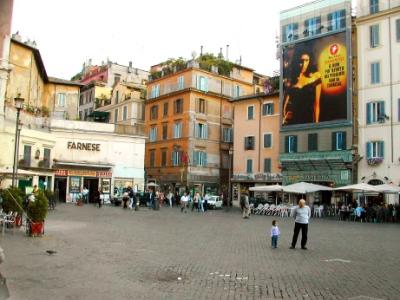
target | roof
[
  {"x": 38, "y": 58},
  {"x": 41, "y": 68},
  {"x": 255, "y": 96},
  {"x": 64, "y": 81}
]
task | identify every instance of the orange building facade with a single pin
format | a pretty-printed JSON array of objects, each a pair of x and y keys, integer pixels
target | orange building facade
[
  {"x": 256, "y": 142},
  {"x": 188, "y": 120}
]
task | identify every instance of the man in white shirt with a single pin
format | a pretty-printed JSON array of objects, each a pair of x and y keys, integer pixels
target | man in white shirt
[{"x": 184, "y": 201}]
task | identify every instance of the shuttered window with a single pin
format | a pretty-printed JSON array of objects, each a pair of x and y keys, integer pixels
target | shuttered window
[
  {"x": 338, "y": 140},
  {"x": 313, "y": 142},
  {"x": 267, "y": 140},
  {"x": 267, "y": 165}
]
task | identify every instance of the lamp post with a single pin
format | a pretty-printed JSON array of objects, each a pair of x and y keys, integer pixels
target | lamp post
[
  {"x": 19, "y": 103},
  {"x": 230, "y": 175}
]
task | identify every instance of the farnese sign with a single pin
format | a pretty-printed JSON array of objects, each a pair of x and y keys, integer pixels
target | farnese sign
[{"x": 83, "y": 146}]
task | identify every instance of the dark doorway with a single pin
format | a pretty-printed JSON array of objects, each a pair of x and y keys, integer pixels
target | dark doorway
[
  {"x": 93, "y": 185},
  {"x": 60, "y": 188}
]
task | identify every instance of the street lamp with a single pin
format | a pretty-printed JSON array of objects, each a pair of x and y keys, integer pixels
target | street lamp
[
  {"x": 230, "y": 175},
  {"x": 19, "y": 104}
]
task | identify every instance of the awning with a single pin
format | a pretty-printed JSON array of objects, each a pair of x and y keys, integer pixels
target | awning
[
  {"x": 86, "y": 164},
  {"x": 305, "y": 188},
  {"x": 21, "y": 173}
]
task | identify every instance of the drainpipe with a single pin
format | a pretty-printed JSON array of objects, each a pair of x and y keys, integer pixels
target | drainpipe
[
  {"x": 391, "y": 89},
  {"x": 260, "y": 137}
]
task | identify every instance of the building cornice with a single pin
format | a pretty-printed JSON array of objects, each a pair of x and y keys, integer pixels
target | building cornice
[{"x": 379, "y": 15}]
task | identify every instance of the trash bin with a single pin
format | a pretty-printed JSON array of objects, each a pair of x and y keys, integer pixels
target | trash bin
[{"x": 156, "y": 204}]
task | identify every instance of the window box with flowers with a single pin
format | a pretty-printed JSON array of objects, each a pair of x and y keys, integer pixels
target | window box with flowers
[{"x": 374, "y": 161}]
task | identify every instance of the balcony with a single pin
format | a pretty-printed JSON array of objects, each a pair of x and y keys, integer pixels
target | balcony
[{"x": 374, "y": 161}]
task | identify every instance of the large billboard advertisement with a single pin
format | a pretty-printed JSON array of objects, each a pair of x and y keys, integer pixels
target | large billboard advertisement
[{"x": 315, "y": 81}]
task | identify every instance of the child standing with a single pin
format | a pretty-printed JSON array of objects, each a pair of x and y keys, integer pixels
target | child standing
[{"x": 275, "y": 233}]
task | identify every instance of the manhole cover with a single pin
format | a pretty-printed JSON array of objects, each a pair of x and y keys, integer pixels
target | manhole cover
[{"x": 168, "y": 275}]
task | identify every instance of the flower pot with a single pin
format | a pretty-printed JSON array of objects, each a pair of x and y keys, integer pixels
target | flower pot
[{"x": 36, "y": 228}]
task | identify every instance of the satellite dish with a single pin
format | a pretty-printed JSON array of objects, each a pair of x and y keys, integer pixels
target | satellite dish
[{"x": 194, "y": 54}]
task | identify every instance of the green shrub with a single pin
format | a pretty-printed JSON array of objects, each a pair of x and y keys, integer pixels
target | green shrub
[
  {"x": 12, "y": 200},
  {"x": 37, "y": 210}
]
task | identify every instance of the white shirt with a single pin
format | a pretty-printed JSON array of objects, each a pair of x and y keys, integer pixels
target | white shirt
[{"x": 184, "y": 198}]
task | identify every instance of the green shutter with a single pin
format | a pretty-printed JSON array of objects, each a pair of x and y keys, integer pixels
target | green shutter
[
  {"x": 344, "y": 141},
  {"x": 369, "y": 152},
  {"x": 287, "y": 144},
  {"x": 381, "y": 149},
  {"x": 295, "y": 144}
]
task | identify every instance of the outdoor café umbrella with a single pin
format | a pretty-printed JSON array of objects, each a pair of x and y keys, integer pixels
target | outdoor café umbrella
[
  {"x": 388, "y": 188},
  {"x": 152, "y": 184},
  {"x": 305, "y": 188},
  {"x": 359, "y": 187},
  {"x": 268, "y": 188}
]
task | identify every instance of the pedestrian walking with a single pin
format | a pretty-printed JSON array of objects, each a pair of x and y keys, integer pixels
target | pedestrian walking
[
  {"x": 97, "y": 198},
  {"x": 196, "y": 201},
  {"x": 205, "y": 202},
  {"x": 245, "y": 205},
  {"x": 85, "y": 194},
  {"x": 275, "y": 233},
  {"x": 184, "y": 201},
  {"x": 302, "y": 214},
  {"x": 152, "y": 199},
  {"x": 169, "y": 197}
]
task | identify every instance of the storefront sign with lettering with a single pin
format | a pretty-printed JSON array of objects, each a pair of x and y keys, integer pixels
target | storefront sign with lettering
[{"x": 83, "y": 146}]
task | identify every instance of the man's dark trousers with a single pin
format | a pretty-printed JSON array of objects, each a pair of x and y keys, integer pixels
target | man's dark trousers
[{"x": 304, "y": 230}]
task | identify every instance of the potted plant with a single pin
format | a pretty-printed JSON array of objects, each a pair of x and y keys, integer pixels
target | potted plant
[
  {"x": 12, "y": 202},
  {"x": 37, "y": 212}
]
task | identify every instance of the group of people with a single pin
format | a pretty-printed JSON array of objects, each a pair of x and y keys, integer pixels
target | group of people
[
  {"x": 197, "y": 203},
  {"x": 373, "y": 213}
]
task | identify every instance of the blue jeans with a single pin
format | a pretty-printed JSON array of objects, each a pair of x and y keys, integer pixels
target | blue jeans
[{"x": 274, "y": 241}]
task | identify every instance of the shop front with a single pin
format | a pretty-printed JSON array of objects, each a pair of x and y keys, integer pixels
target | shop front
[{"x": 70, "y": 182}]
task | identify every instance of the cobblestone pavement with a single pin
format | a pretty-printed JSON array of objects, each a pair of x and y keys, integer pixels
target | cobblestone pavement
[{"x": 110, "y": 253}]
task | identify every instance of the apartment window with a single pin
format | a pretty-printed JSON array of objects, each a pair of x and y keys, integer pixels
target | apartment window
[
  {"x": 338, "y": 140},
  {"x": 178, "y": 106},
  {"x": 176, "y": 158},
  {"x": 125, "y": 113},
  {"x": 46, "y": 158},
  {"x": 249, "y": 142},
  {"x": 165, "y": 131},
  {"x": 313, "y": 142},
  {"x": 163, "y": 158},
  {"x": 312, "y": 26},
  {"x": 153, "y": 134},
  {"x": 267, "y": 109},
  {"x": 200, "y": 158},
  {"x": 374, "y": 36},
  {"x": 267, "y": 140},
  {"x": 181, "y": 82},
  {"x": 249, "y": 166},
  {"x": 177, "y": 130},
  {"x": 201, "y": 131},
  {"x": 289, "y": 32},
  {"x": 291, "y": 144},
  {"x": 154, "y": 112},
  {"x": 375, "y": 112},
  {"x": 155, "y": 91},
  {"x": 61, "y": 100},
  {"x": 201, "y": 106},
  {"x": 375, "y": 73},
  {"x": 115, "y": 116},
  {"x": 152, "y": 158},
  {"x": 373, "y": 6},
  {"x": 165, "y": 111},
  {"x": 267, "y": 165},
  {"x": 237, "y": 91},
  {"x": 250, "y": 112},
  {"x": 202, "y": 83},
  {"x": 375, "y": 149},
  {"x": 116, "y": 97},
  {"x": 27, "y": 155},
  {"x": 337, "y": 20},
  {"x": 227, "y": 135}
]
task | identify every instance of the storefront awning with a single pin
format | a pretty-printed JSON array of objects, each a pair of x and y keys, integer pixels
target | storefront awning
[{"x": 83, "y": 164}]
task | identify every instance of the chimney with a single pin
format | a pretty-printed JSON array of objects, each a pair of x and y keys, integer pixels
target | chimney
[
  {"x": 227, "y": 52},
  {"x": 17, "y": 37},
  {"x": 201, "y": 50},
  {"x": 130, "y": 64}
]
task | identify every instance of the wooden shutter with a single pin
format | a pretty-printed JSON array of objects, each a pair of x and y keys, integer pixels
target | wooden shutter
[
  {"x": 329, "y": 22},
  {"x": 344, "y": 141},
  {"x": 343, "y": 18},
  {"x": 295, "y": 143},
  {"x": 369, "y": 117},
  {"x": 287, "y": 144},
  {"x": 368, "y": 150}
]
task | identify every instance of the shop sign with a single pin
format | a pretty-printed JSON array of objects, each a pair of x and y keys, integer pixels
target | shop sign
[
  {"x": 82, "y": 173},
  {"x": 83, "y": 146},
  {"x": 59, "y": 172},
  {"x": 106, "y": 174}
]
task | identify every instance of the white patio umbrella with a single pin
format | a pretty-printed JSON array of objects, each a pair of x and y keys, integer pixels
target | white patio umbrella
[
  {"x": 152, "y": 184},
  {"x": 359, "y": 187},
  {"x": 388, "y": 188},
  {"x": 268, "y": 189},
  {"x": 305, "y": 188}
]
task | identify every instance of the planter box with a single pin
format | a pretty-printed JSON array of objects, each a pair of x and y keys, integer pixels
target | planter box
[{"x": 36, "y": 228}]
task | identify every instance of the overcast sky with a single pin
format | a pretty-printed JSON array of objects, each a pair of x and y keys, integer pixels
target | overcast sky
[{"x": 147, "y": 32}]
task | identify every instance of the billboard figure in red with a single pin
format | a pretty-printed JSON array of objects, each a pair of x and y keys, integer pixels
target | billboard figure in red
[{"x": 303, "y": 90}]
